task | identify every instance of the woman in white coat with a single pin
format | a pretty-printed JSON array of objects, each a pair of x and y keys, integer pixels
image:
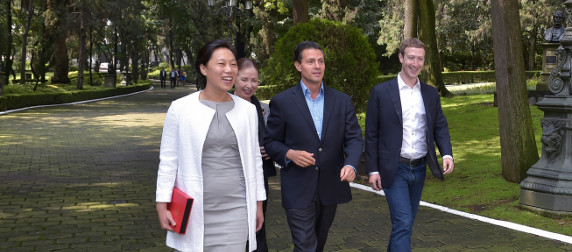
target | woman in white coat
[{"x": 210, "y": 150}]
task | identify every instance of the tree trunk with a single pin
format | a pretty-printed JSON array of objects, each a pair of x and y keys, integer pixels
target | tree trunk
[
  {"x": 410, "y": 19},
  {"x": 25, "y": 42},
  {"x": 90, "y": 53},
  {"x": 427, "y": 34},
  {"x": 518, "y": 147},
  {"x": 61, "y": 65},
  {"x": 8, "y": 49},
  {"x": 82, "y": 38},
  {"x": 300, "y": 11},
  {"x": 170, "y": 44},
  {"x": 134, "y": 63}
]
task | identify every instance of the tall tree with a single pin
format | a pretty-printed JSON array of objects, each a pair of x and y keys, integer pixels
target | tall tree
[
  {"x": 7, "y": 5},
  {"x": 300, "y": 11},
  {"x": 334, "y": 10},
  {"x": 30, "y": 9},
  {"x": 518, "y": 146},
  {"x": 427, "y": 34},
  {"x": 56, "y": 20},
  {"x": 43, "y": 48},
  {"x": 411, "y": 16}
]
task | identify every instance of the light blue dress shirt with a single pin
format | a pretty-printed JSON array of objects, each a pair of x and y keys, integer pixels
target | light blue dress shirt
[{"x": 316, "y": 107}]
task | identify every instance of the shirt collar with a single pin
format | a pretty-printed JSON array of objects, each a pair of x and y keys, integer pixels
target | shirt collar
[
  {"x": 306, "y": 91},
  {"x": 401, "y": 84}
]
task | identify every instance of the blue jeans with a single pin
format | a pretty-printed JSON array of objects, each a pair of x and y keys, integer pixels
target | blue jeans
[{"x": 403, "y": 199}]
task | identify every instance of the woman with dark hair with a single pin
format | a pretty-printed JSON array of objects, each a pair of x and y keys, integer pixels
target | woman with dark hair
[
  {"x": 245, "y": 87},
  {"x": 210, "y": 151}
]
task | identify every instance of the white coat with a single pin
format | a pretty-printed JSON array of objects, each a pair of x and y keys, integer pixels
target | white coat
[{"x": 184, "y": 133}]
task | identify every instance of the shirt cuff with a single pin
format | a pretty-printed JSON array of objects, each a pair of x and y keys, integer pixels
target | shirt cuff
[
  {"x": 355, "y": 170},
  {"x": 449, "y": 156},
  {"x": 373, "y": 173}
]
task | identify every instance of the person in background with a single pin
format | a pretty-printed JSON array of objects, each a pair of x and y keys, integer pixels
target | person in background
[
  {"x": 313, "y": 132},
  {"x": 173, "y": 77},
  {"x": 210, "y": 151},
  {"x": 403, "y": 123},
  {"x": 183, "y": 77},
  {"x": 163, "y": 77},
  {"x": 245, "y": 87}
]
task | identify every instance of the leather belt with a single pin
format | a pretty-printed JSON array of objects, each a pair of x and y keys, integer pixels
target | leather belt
[{"x": 410, "y": 162}]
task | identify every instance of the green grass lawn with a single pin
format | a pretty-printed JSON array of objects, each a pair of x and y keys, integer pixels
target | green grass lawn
[{"x": 476, "y": 185}]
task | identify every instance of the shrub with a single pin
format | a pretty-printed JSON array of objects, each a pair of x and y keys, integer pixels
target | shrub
[
  {"x": 465, "y": 77},
  {"x": 16, "y": 101},
  {"x": 351, "y": 65}
]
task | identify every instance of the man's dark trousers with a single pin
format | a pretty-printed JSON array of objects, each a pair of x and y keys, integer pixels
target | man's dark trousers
[{"x": 302, "y": 220}]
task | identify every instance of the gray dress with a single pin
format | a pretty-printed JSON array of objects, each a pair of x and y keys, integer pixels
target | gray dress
[{"x": 226, "y": 225}]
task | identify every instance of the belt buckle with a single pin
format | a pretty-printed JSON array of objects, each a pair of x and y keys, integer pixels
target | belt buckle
[{"x": 411, "y": 162}]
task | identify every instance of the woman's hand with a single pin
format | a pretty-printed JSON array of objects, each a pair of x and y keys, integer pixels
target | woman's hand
[
  {"x": 259, "y": 216},
  {"x": 165, "y": 217}
]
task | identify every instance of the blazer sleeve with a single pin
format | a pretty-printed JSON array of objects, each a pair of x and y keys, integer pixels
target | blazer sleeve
[
  {"x": 168, "y": 164},
  {"x": 275, "y": 134},
  {"x": 353, "y": 146},
  {"x": 372, "y": 132},
  {"x": 441, "y": 131}
]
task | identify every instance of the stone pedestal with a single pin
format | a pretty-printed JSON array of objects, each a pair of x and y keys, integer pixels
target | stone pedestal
[
  {"x": 109, "y": 80},
  {"x": 548, "y": 186},
  {"x": 549, "y": 62}
]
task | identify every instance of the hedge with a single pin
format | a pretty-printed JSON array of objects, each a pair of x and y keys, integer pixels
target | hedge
[
  {"x": 465, "y": 77},
  {"x": 9, "y": 102}
]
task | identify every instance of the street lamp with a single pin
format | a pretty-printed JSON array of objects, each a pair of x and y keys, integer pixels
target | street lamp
[{"x": 228, "y": 11}]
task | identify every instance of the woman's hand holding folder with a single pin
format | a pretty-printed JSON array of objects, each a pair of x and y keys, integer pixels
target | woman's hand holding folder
[{"x": 165, "y": 217}]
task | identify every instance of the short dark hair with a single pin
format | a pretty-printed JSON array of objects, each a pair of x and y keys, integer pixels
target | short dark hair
[
  {"x": 303, "y": 46},
  {"x": 246, "y": 62},
  {"x": 206, "y": 53},
  {"x": 412, "y": 42}
]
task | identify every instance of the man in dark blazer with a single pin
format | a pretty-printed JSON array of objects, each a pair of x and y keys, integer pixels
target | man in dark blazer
[
  {"x": 313, "y": 133},
  {"x": 163, "y": 77},
  {"x": 404, "y": 121}
]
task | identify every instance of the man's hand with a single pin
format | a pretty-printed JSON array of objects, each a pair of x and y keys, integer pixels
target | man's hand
[
  {"x": 375, "y": 181},
  {"x": 448, "y": 165},
  {"x": 301, "y": 158},
  {"x": 264, "y": 154},
  {"x": 165, "y": 217},
  {"x": 347, "y": 174}
]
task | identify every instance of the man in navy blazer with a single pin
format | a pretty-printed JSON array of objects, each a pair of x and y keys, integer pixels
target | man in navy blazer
[
  {"x": 404, "y": 121},
  {"x": 313, "y": 133},
  {"x": 163, "y": 77}
]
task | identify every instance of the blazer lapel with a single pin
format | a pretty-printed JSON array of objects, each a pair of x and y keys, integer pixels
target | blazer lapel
[
  {"x": 299, "y": 100},
  {"x": 393, "y": 91},
  {"x": 328, "y": 106}
]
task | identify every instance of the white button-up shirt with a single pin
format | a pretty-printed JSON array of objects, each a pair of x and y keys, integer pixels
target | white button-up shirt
[{"x": 414, "y": 143}]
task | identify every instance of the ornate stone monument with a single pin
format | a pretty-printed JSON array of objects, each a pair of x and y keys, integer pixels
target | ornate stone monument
[
  {"x": 548, "y": 187},
  {"x": 552, "y": 35}
]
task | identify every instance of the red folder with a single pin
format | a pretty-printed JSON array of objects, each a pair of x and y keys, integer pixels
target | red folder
[{"x": 180, "y": 207}]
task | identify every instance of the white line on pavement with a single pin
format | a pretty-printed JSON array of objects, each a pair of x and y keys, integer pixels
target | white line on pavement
[{"x": 506, "y": 224}]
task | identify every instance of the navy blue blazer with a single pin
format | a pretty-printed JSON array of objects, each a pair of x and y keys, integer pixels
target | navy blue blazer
[
  {"x": 290, "y": 126},
  {"x": 384, "y": 130}
]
